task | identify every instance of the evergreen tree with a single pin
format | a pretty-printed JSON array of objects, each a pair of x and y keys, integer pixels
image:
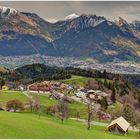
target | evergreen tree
[
  {"x": 104, "y": 103},
  {"x": 105, "y": 83},
  {"x": 2, "y": 83},
  {"x": 113, "y": 95},
  {"x": 139, "y": 100}
]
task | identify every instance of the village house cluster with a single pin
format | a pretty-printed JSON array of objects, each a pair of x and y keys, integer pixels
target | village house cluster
[
  {"x": 119, "y": 125},
  {"x": 80, "y": 94},
  {"x": 58, "y": 89}
]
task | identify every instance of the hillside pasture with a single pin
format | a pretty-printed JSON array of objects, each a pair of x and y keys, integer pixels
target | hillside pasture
[{"x": 30, "y": 126}]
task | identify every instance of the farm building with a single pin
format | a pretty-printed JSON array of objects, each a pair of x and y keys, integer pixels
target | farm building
[
  {"x": 81, "y": 93},
  {"x": 97, "y": 93},
  {"x": 119, "y": 125},
  {"x": 43, "y": 86},
  {"x": 91, "y": 91}
]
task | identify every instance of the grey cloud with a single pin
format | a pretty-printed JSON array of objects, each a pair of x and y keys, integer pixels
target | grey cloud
[{"x": 57, "y": 10}]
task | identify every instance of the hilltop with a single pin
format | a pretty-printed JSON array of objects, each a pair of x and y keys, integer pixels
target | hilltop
[{"x": 125, "y": 86}]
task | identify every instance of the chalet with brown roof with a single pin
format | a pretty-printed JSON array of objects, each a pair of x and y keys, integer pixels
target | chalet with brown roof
[{"x": 119, "y": 125}]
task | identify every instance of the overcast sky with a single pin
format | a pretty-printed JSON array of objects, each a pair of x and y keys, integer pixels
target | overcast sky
[{"x": 53, "y": 11}]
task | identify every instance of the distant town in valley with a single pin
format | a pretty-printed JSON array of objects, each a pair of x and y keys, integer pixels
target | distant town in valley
[{"x": 118, "y": 66}]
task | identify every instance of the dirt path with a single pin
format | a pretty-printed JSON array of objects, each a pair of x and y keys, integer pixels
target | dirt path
[{"x": 102, "y": 124}]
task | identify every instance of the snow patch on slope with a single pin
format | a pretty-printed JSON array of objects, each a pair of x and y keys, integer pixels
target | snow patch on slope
[
  {"x": 71, "y": 16},
  {"x": 7, "y": 11},
  {"x": 96, "y": 23}
]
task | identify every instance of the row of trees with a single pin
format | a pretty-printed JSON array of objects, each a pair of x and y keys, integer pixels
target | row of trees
[{"x": 92, "y": 73}]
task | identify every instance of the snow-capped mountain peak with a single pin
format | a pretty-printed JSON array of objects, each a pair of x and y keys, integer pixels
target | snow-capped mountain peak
[
  {"x": 71, "y": 16},
  {"x": 7, "y": 11}
]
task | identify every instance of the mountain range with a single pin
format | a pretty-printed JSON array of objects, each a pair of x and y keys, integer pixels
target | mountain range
[{"x": 82, "y": 36}]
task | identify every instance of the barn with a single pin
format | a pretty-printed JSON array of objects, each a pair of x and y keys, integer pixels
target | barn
[{"x": 119, "y": 125}]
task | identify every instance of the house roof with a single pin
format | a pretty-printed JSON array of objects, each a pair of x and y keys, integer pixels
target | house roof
[
  {"x": 89, "y": 91},
  {"x": 121, "y": 122}
]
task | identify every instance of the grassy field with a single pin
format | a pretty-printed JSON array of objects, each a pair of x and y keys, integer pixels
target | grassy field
[
  {"x": 43, "y": 100},
  {"x": 74, "y": 107},
  {"x": 80, "y": 80},
  {"x": 10, "y": 95},
  {"x": 29, "y": 126}
]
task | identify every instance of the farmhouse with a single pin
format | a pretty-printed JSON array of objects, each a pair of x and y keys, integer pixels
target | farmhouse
[
  {"x": 119, "y": 125},
  {"x": 81, "y": 93},
  {"x": 43, "y": 86},
  {"x": 98, "y": 93},
  {"x": 91, "y": 91},
  {"x": 101, "y": 93}
]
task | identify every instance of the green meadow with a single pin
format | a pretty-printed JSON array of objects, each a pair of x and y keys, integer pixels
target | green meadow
[{"x": 28, "y": 125}]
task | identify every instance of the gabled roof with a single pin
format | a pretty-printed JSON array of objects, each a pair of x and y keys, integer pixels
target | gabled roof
[
  {"x": 121, "y": 122},
  {"x": 91, "y": 91}
]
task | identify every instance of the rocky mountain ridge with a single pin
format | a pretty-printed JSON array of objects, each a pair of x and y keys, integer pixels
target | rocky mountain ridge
[{"x": 75, "y": 36}]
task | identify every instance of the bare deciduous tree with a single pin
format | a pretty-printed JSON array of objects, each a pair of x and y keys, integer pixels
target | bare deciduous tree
[
  {"x": 63, "y": 108},
  {"x": 77, "y": 115},
  {"x": 36, "y": 105},
  {"x": 90, "y": 114},
  {"x": 31, "y": 104}
]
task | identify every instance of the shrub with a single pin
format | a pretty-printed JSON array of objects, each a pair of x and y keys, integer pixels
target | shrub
[{"x": 15, "y": 105}]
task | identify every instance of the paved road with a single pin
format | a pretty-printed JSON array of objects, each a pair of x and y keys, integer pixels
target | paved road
[{"x": 93, "y": 122}]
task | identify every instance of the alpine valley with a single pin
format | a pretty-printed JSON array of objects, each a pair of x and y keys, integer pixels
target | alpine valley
[
  {"x": 79, "y": 75},
  {"x": 79, "y": 37}
]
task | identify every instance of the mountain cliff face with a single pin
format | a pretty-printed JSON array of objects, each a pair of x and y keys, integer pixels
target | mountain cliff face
[
  {"x": 93, "y": 36},
  {"x": 20, "y": 34},
  {"x": 76, "y": 35}
]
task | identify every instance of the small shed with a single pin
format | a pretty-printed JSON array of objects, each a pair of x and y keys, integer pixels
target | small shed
[{"x": 119, "y": 125}]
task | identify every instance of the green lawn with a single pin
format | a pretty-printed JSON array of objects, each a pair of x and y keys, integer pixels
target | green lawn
[
  {"x": 74, "y": 107},
  {"x": 10, "y": 95},
  {"x": 80, "y": 80},
  {"x": 27, "y": 125},
  {"x": 44, "y": 99}
]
